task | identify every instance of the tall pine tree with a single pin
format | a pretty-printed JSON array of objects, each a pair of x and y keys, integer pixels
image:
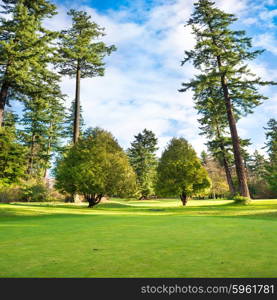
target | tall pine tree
[
  {"x": 213, "y": 123},
  {"x": 23, "y": 42},
  {"x": 220, "y": 54},
  {"x": 69, "y": 121},
  {"x": 81, "y": 55},
  {"x": 143, "y": 160},
  {"x": 271, "y": 146},
  {"x": 43, "y": 123}
]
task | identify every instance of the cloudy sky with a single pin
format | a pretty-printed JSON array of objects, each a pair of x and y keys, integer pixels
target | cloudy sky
[{"x": 140, "y": 86}]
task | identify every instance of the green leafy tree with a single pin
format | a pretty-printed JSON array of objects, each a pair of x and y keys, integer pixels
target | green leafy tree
[
  {"x": 271, "y": 146},
  {"x": 43, "y": 125},
  {"x": 220, "y": 55},
  {"x": 10, "y": 119},
  {"x": 81, "y": 55},
  {"x": 12, "y": 157},
  {"x": 219, "y": 185},
  {"x": 256, "y": 166},
  {"x": 94, "y": 167},
  {"x": 144, "y": 161},
  {"x": 180, "y": 171},
  {"x": 55, "y": 129},
  {"x": 24, "y": 43}
]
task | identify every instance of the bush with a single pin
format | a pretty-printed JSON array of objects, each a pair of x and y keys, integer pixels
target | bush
[
  {"x": 36, "y": 193},
  {"x": 8, "y": 194},
  {"x": 55, "y": 196},
  {"x": 242, "y": 200},
  {"x": 29, "y": 191}
]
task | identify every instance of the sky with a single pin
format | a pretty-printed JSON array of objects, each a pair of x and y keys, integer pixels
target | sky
[{"x": 142, "y": 78}]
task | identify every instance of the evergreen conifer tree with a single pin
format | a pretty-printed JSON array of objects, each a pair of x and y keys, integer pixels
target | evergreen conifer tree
[
  {"x": 143, "y": 160},
  {"x": 81, "y": 55},
  {"x": 25, "y": 45},
  {"x": 221, "y": 54}
]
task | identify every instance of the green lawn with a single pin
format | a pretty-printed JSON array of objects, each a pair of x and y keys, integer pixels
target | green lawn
[{"x": 139, "y": 239}]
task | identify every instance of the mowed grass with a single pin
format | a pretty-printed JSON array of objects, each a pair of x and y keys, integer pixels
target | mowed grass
[{"x": 122, "y": 238}]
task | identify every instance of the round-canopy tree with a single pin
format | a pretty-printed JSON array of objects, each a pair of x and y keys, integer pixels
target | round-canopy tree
[
  {"x": 180, "y": 171},
  {"x": 95, "y": 166}
]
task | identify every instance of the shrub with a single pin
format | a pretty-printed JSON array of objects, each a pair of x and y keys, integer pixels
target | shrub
[
  {"x": 11, "y": 194},
  {"x": 242, "y": 200},
  {"x": 54, "y": 196},
  {"x": 37, "y": 192}
]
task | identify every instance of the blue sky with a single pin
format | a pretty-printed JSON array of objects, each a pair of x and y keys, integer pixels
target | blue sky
[{"x": 140, "y": 87}]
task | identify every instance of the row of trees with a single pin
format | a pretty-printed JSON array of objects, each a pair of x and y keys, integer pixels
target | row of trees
[
  {"x": 33, "y": 59},
  {"x": 98, "y": 166}
]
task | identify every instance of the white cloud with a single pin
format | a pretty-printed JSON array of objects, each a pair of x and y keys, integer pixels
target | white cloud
[
  {"x": 267, "y": 41},
  {"x": 237, "y": 7}
]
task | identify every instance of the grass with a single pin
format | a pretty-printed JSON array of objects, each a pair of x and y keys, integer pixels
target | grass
[{"x": 121, "y": 238}]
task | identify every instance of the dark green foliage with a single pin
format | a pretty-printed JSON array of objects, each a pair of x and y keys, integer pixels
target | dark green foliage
[
  {"x": 35, "y": 192},
  {"x": 79, "y": 48},
  {"x": 144, "y": 161},
  {"x": 25, "y": 49},
  {"x": 180, "y": 172},
  {"x": 12, "y": 158},
  {"x": 256, "y": 166},
  {"x": 226, "y": 89},
  {"x": 43, "y": 121},
  {"x": 81, "y": 56},
  {"x": 271, "y": 146},
  {"x": 69, "y": 122},
  {"x": 95, "y": 166}
]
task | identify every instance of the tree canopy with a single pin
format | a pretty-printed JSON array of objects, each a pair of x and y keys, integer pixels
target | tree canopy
[
  {"x": 81, "y": 56},
  {"x": 180, "y": 171},
  {"x": 94, "y": 167},
  {"x": 220, "y": 54},
  {"x": 12, "y": 158},
  {"x": 271, "y": 146},
  {"x": 144, "y": 161}
]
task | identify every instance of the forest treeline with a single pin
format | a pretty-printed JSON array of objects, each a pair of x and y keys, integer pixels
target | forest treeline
[{"x": 47, "y": 136}]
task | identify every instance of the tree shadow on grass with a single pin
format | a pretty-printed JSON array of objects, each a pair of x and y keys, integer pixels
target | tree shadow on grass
[{"x": 262, "y": 210}]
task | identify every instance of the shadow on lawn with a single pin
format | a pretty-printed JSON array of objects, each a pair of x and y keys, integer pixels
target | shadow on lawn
[{"x": 258, "y": 210}]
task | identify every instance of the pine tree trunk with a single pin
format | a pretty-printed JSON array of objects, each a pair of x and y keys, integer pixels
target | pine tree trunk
[
  {"x": 76, "y": 133},
  {"x": 47, "y": 154},
  {"x": 240, "y": 170},
  {"x": 226, "y": 165},
  {"x": 48, "y": 151},
  {"x": 31, "y": 159},
  {"x": 243, "y": 187},
  {"x": 228, "y": 175},
  {"x": 76, "y": 130},
  {"x": 3, "y": 100}
]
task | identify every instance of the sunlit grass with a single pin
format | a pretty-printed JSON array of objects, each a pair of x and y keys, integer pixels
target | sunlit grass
[{"x": 130, "y": 238}]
